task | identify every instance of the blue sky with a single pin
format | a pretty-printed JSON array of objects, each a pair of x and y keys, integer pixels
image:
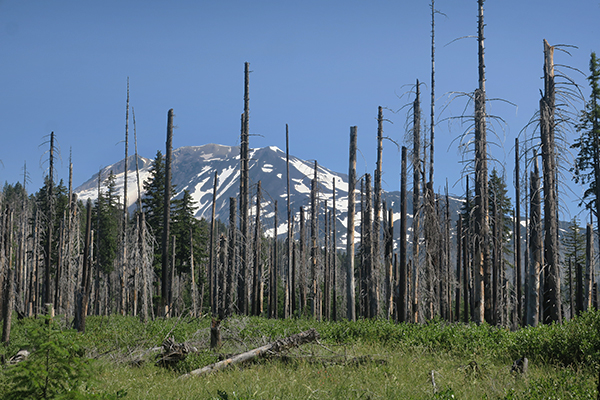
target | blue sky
[{"x": 319, "y": 66}]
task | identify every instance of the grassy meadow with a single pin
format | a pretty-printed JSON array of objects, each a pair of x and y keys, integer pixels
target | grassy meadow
[{"x": 367, "y": 359}]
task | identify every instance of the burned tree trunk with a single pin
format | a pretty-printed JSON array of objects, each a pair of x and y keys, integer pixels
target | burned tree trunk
[
  {"x": 165, "y": 284},
  {"x": 334, "y": 258},
  {"x": 244, "y": 182},
  {"x": 376, "y": 252},
  {"x": 535, "y": 248},
  {"x": 367, "y": 245},
  {"x": 274, "y": 278},
  {"x": 122, "y": 272},
  {"x": 552, "y": 302},
  {"x": 211, "y": 250},
  {"x": 257, "y": 304},
  {"x": 288, "y": 308},
  {"x": 518, "y": 265},
  {"x": 231, "y": 255},
  {"x": 86, "y": 280},
  {"x": 350, "y": 297},
  {"x": 314, "y": 249},
  {"x": 402, "y": 281},
  {"x": 416, "y": 157},
  {"x": 9, "y": 283},
  {"x": 589, "y": 265}
]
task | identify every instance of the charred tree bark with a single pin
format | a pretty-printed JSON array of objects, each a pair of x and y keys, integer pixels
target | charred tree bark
[
  {"x": 416, "y": 157},
  {"x": 552, "y": 302},
  {"x": 211, "y": 250},
  {"x": 367, "y": 244},
  {"x": 518, "y": 264},
  {"x": 376, "y": 233},
  {"x": 535, "y": 248},
  {"x": 302, "y": 269},
  {"x": 244, "y": 182},
  {"x": 589, "y": 264},
  {"x": 257, "y": 278},
  {"x": 49, "y": 231},
  {"x": 165, "y": 284},
  {"x": 274, "y": 277},
  {"x": 314, "y": 249},
  {"x": 289, "y": 306},
  {"x": 402, "y": 281},
  {"x": 9, "y": 283},
  {"x": 123, "y": 271},
  {"x": 350, "y": 291},
  {"x": 334, "y": 257},
  {"x": 459, "y": 250},
  {"x": 231, "y": 255},
  {"x": 86, "y": 280}
]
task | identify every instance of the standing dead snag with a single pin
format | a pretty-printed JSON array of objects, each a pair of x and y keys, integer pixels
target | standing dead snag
[
  {"x": 167, "y": 219},
  {"x": 350, "y": 297},
  {"x": 276, "y": 347}
]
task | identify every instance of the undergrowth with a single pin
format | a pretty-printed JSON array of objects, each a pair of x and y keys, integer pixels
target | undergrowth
[{"x": 563, "y": 359}]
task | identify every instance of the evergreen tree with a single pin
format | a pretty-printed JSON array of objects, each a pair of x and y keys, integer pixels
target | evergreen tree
[
  {"x": 108, "y": 212},
  {"x": 587, "y": 169},
  {"x": 184, "y": 224},
  {"x": 498, "y": 192}
]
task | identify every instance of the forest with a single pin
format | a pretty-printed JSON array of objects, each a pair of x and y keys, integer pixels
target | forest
[{"x": 507, "y": 263}]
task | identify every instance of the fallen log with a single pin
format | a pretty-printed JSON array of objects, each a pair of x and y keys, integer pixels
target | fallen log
[{"x": 272, "y": 348}]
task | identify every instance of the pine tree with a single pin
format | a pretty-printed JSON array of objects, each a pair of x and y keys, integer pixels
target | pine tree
[
  {"x": 587, "y": 163},
  {"x": 107, "y": 223}
]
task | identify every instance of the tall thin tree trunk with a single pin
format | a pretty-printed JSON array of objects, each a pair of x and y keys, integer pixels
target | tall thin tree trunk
[
  {"x": 552, "y": 302},
  {"x": 416, "y": 158},
  {"x": 123, "y": 271},
  {"x": 350, "y": 297},
  {"x": 518, "y": 264},
  {"x": 535, "y": 248},
  {"x": 313, "y": 243},
  {"x": 367, "y": 244},
  {"x": 244, "y": 182},
  {"x": 9, "y": 284},
  {"x": 402, "y": 281},
  {"x": 334, "y": 257},
  {"x": 257, "y": 279},
  {"x": 274, "y": 278},
  {"x": 302, "y": 273},
  {"x": 48, "y": 256},
  {"x": 289, "y": 302},
  {"x": 232, "y": 256},
  {"x": 589, "y": 264},
  {"x": 377, "y": 204},
  {"x": 165, "y": 294},
  {"x": 211, "y": 251}
]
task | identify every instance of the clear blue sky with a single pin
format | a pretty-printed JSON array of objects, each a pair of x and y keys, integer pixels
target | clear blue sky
[{"x": 320, "y": 66}]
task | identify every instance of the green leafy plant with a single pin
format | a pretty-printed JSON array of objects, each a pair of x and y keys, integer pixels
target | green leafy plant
[{"x": 55, "y": 369}]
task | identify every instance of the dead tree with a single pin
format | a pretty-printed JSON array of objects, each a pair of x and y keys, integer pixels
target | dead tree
[
  {"x": 416, "y": 161},
  {"x": 49, "y": 229},
  {"x": 86, "y": 280},
  {"x": 257, "y": 278},
  {"x": 535, "y": 248},
  {"x": 9, "y": 282},
  {"x": 552, "y": 301},
  {"x": 302, "y": 269},
  {"x": 350, "y": 297},
  {"x": 232, "y": 256},
  {"x": 244, "y": 194},
  {"x": 589, "y": 266},
  {"x": 326, "y": 267},
  {"x": 211, "y": 249},
  {"x": 313, "y": 246},
  {"x": 402, "y": 281},
  {"x": 274, "y": 278},
  {"x": 334, "y": 258},
  {"x": 377, "y": 196},
  {"x": 123, "y": 271},
  {"x": 481, "y": 262},
  {"x": 518, "y": 265},
  {"x": 288, "y": 308},
  {"x": 165, "y": 284},
  {"x": 367, "y": 245}
]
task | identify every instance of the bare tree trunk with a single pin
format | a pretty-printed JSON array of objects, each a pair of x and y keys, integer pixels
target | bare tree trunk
[
  {"x": 535, "y": 249},
  {"x": 367, "y": 244},
  {"x": 326, "y": 268},
  {"x": 459, "y": 250},
  {"x": 518, "y": 264},
  {"x": 589, "y": 265},
  {"x": 221, "y": 289},
  {"x": 377, "y": 205},
  {"x": 552, "y": 302},
  {"x": 350, "y": 298},
  {"x": 9, "y": 283},
  {"x": 244, "y": 182},
  {"x": 402, "y": 281},
  {"x": 289, "y": 303},
  {"x": 334, "y": 258},
  {"x": 274, "y": 278},
  {"x": 211, "y": 251},
  {"x": 165, "y": 306},
  {"x": 232, "y": 256},
  {"x": 48, "y": 256},
  {"x": 257, "y": 278},
  {"x": 416, "y": 158},
  {"x": 125, "y": 212},
  {"x": 302, "y": 267},
  {"x": 84, "y": 293},
  {"x": 314, "y": 249}
]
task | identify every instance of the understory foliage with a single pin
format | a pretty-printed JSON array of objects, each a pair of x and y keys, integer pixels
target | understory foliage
[{"x": 564, "y": 358}]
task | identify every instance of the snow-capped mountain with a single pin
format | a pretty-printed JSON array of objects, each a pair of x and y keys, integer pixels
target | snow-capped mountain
[{"x": 194, "y": 170}]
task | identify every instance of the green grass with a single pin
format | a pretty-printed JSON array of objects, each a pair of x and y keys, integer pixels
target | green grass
[{"x": 396, "y": 360}]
